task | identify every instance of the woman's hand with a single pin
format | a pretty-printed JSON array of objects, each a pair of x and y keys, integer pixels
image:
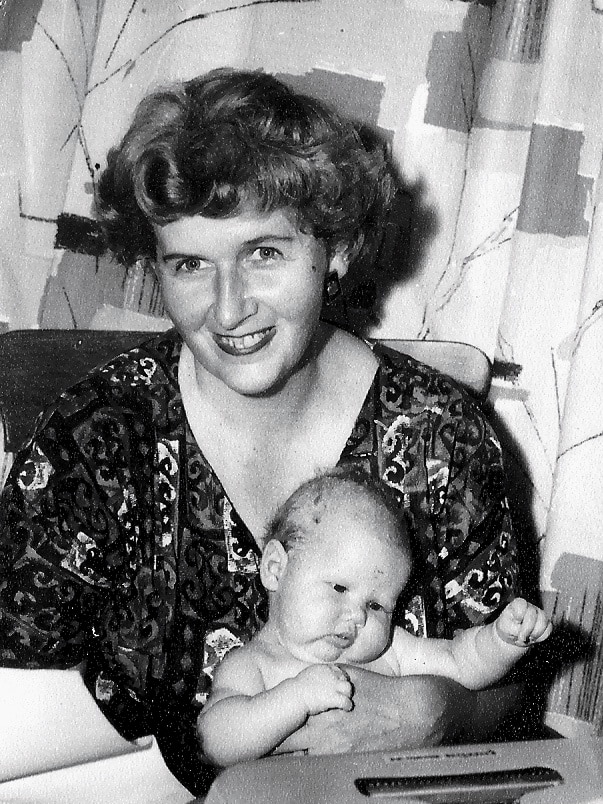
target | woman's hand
[{"x": 409, "y": 712}]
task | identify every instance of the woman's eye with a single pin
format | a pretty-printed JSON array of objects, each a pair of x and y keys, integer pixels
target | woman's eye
[
  {"x": 340, "y": 588},
  {"x": 266, "y": 253},
  {"x": 189, "y": 266},
  {"x": 374, "y": 606}
]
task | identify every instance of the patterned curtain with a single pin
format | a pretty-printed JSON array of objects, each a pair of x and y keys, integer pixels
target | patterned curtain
[{"x": 492, "y": 109}]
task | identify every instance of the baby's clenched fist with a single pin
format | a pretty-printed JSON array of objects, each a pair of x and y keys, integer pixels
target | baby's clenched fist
[
  {"x": 522, "y": 624},
  {"x": 325, "y": 686}
]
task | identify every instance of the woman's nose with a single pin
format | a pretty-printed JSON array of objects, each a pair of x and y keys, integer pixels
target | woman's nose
[{"x": 232, "y": 303}]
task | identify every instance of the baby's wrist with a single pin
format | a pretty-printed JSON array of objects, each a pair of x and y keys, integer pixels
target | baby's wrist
[{"x": 296, "y": 689}]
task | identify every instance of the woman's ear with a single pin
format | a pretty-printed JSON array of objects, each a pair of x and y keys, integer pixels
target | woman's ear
[
  {"x": 340, "y": 259},
  {"x": 273, "y": 564}
]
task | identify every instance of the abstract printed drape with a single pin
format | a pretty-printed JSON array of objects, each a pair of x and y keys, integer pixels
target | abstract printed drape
[{"x": 493, "y": 112}]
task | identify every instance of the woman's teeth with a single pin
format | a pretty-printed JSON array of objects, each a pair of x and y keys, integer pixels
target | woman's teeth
[{"x": 245, "y": 342}]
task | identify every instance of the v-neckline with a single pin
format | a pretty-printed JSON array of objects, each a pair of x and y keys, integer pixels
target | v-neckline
[{"x": 186, "y": 380}]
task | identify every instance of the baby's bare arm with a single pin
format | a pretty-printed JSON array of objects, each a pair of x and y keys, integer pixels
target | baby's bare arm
[
  {"x": 242, "y": 720},
  {"x": 477, "y": 657},
  {"x": 484, "y": 655}
]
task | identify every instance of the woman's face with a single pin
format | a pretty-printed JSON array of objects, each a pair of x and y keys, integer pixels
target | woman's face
[{"x": 245, "y": 292}]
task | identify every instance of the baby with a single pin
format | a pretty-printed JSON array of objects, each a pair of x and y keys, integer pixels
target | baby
[{"x": 335, "y": 560}]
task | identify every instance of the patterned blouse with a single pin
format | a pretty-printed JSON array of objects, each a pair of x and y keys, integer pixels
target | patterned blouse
[{"x": 118, "y": 544}]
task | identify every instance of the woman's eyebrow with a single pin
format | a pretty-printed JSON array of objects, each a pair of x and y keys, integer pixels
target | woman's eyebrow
[
  {"x": 176, "y": 255},
  {"x": 281, "y": 238},
  {"x": 262, "y": 238}
]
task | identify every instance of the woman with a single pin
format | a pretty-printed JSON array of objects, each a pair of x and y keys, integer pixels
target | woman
[{"x": 134, "y": 519}]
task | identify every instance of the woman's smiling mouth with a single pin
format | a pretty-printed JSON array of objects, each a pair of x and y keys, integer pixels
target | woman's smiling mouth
[{"x": 244, "y": 344}]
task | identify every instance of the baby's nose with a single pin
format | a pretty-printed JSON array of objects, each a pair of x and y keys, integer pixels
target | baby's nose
[{"x": 358, "y": 614}]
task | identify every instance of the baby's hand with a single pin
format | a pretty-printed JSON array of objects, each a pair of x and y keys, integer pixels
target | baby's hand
[
  {"x": 325, "y": 686},
  {"x": 522, "y": 624}
]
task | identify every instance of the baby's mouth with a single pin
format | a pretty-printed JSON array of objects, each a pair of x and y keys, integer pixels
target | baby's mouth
[
  {"x": 342, "y": 640},
  {"x": 244, "y": 344}
]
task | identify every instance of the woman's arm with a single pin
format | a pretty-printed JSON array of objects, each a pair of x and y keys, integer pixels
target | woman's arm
[
  {"x": 410, "y": 712},
  {"x": 242, "y": 720},
  {"x": 38, "y": 703},
  {"x": 69, "y": 516}
]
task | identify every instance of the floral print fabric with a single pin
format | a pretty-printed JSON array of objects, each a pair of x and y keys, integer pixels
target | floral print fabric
[{"x": 119, "y": 547}]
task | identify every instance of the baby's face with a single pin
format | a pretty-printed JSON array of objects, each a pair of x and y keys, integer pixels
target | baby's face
[{"x": 336, "y": 596}]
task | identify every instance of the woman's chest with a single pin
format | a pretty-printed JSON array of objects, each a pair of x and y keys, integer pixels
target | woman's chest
[{"x": 259, "y": 470}]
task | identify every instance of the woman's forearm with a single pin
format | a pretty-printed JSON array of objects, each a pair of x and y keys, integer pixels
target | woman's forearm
[
  {"x": 37, "y": 703},
  {"x": 487, "y": 712},
  {"x": 409, "y": 712}
]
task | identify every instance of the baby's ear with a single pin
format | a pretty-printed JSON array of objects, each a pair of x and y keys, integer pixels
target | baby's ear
[{"x": 273, "y": 564}]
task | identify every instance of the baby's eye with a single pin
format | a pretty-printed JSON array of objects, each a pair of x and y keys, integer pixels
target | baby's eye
[
  {"x": 340, "y": 588},
  {"x": 374, "y": 606}
]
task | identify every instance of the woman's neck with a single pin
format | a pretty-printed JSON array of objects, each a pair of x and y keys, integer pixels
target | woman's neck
[{"x": 285, "y": 404}]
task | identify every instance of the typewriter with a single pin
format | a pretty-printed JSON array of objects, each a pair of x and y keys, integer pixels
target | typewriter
[{"x": 551, "y": 771}]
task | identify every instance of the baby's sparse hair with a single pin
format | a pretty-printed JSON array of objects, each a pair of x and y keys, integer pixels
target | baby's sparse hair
[{"x": 298, "y": 517}]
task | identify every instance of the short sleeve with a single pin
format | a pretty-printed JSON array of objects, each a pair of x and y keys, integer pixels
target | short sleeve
[
  {"x": 87, "y": 528},
  {"x": 477, "y": 556},
  {"x": 441, "y": 456},
  {"x": 54, "y": 529}
]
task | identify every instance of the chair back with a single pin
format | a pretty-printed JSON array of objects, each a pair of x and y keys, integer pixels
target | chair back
[
  {"x": 465, "y": 363},
  {"x": 36, "y": 365}
]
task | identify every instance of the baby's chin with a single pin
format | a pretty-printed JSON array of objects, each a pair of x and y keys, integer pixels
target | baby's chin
[
  {"x": 318, "y": 652},
  {"x": 323, "y": 652},
  {"x": 358, "y": 655}
]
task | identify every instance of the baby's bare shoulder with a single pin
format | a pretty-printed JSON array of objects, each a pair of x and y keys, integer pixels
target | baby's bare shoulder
[
  {"x": 241, "y": 670},
  {"x": 247, "y": 656}
]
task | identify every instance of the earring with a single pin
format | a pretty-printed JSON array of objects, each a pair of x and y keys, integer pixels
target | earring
[{"x": 332, "y": 288}]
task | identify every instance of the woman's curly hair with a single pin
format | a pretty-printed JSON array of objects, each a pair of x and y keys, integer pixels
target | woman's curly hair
[{"x": 208, "y": 145}]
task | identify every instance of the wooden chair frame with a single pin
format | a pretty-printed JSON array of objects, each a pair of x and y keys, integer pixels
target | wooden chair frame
[{"x": 37, "y": 365}]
